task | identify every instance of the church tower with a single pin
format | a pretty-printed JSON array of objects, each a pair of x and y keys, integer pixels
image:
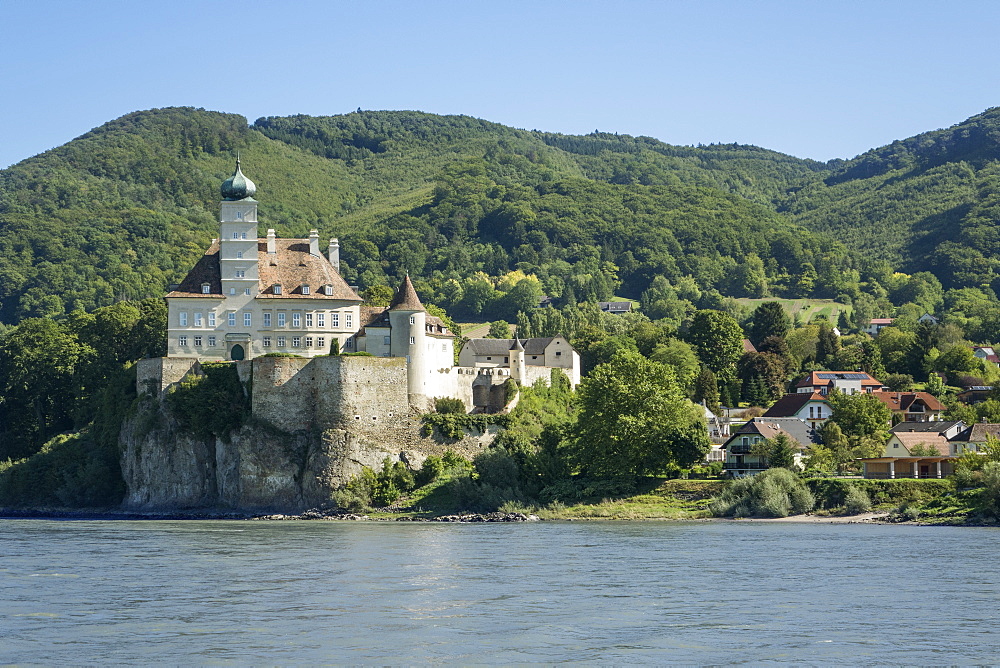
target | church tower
[
  {"x": 238, "y": 236},
  {"x": 407, "y": 338}
]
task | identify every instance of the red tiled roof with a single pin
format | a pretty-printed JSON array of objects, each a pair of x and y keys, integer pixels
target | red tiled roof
[
  {"x": 902, "y": 401},
  {"x": 814, "y": 380}
]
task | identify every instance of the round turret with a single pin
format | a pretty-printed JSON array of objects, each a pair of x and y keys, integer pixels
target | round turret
[{"x": 238, "y": 186}]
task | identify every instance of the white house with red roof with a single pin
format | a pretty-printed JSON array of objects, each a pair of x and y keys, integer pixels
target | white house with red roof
[{"x": 847, "y": 382}]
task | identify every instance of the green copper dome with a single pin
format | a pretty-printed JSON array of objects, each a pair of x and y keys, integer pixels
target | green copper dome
[{"x": 238, "y": 186}]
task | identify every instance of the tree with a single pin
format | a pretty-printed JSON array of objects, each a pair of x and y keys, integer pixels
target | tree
[
  {"x": 827, "y": 345},
  {"x": 378, "y": 295},
  {"x": 681, "y": 357},
  {"x": 635, "y": 419},
  {"x": 765, "y": 372},
  {"x": 499, "y": 329},
  {"x": 718, "y": 340},
  {"x": 706, "y": 390},
  {"x": 860, "y": 415},
  {"x": 768, "y": 319},
  {"x": 778, "y": 451}
]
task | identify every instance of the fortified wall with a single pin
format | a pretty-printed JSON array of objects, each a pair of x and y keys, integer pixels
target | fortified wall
[{"x": 315, "y": 422}]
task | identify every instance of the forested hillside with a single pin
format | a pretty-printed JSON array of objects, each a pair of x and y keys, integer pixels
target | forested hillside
[{"x": 462, "y": 203}]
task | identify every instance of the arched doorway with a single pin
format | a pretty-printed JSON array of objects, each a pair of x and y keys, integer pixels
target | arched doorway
[{"x": 237, "y": 352}]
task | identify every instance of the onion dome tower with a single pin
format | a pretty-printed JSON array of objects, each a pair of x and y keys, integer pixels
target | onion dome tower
[{"x": 238, "y": 186}]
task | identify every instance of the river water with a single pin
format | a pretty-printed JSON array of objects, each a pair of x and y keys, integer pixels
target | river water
[{"x": 207, "y": 592}]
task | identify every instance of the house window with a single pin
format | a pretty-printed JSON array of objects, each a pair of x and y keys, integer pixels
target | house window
[
  {"x": 211, "y": 342},
  {"x": 558, "y": 353},
  {"x": 348, "y": 318},
  {"x": 296, "y": 342},
  {"x": 321, "y": 320},
  {"x": 309, "y": 342},
  {"x": 211, "y": 319},
  {"x": 239, "y": 255},
  {"x": 413, "y": 319},
  {"x": 267, "y": 319},
  {"x": 267, "y": 341},
  {"x": 281, "y": 342},
  {"x": 183, "y": 318},
  {"x": 247, "y": 319},
  {"x": 328, "y": 289},
  {"x": 811, "y": 409},
  {"x": 895, "y": 445},
  {"x": 277, "y": 289},
  {"x": 321, "y": 342},
  {"x": 412, "y": 340},
  {"x": 246, "y": 291},
  {"x": 334, "y": 320},
  {"x": 386, "y": 340},
  {"x": 534, "y": 357},
  {"x": 182, "y": 340},
  {"x": 232, "y": 319},
  {"x": 296, "y": 319},
  {"x": 281, "y": 319},
  {"x": 305, "y": 289},
  {"x": 746, "y": 440},
  {"x": 444, "y": 347},
  {"x": 309, "y": 319},
  {"x": 197, "y": 342},
  {"x": 204, "y": 288},
  {"x": 197, "y": 319},
  {"x": 489, "y": 358}
]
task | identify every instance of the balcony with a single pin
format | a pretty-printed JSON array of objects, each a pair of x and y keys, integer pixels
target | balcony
[{"x": 750, "y": 466}]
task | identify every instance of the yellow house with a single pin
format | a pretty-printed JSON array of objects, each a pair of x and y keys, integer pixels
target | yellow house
[{"x": 912, "y": 454}]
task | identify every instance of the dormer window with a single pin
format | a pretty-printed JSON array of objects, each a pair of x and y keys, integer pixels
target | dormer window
[
  {"x": 305, "y": 289},
  {"x": 277, "y": 289},
  {"x": 205, "y": 288},
  {"x": 328, "y": 290}
]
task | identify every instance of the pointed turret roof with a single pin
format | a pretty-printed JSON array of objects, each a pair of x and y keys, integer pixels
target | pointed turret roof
[
  {"x": 516, "y": 345},
  {"x": 406, "y": 298}
]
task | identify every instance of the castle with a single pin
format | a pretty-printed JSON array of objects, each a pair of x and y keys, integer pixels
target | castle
[{"x": 248, "y": 296}]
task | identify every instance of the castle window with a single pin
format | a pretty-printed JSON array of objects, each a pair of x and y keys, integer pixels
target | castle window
[
  {"x": 558, "y": 353},
  {"x": 232, "y": 319},
  {"x": 328, "y": 290},
  {"x": 309, "y": 342},
  {"x": 267, "y": 341},
  {"x": 321, "y": 342},
  {"x": 413, "y": 319},
  {"x": 489, "y": 359},
  {"x": 305, "y": 289},
  {"x": 334, "y": 320},
  {"x": 281, "y": 342},
  {"x": 534, "y": 357},
  {"x": 239, "y": 215},
  {"x": 211, "y": 319},
  {"x": 211, "y": 342},
  {"x": 281, "y": 319},
  {"x": 243, "y": 235},
  {"x": 321, "y": 320},
  {"x": 412, "y": 340},
  {"x": 236, "y": 235},
  {"x": 296, "y": 342},
  {"x": 444, "y": 347},
  {"x": 347, "y": 320},
  {"x": 232, "y": 291},
  {"x": 205, "y": 287},
  {"x": 386, "y": 340},
  {"x": 246, "y": 291},
  {"x": 277, "y": 289},
  {"x": 197, "y": 319},
  {"x": 239, "y": 255},
  {"x": 309, "y": 319},
  {"x": 296, "y": 319},
  {"x": 183, "y": 318},
  {"x": 247, "y": 319},
  {"x": 241, "y": 273},
  {"x": 182, "y": 340},
  {"x": 267, "y": 319},
  {"x": 197, "y": 342}
]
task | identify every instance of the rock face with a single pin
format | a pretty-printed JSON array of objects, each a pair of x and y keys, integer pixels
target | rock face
[{"x": 314, "y": 425}]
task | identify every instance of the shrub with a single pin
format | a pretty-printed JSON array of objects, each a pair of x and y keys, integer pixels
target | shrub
[
  {"x": 449, "y": 405},
  {"x": 430, "y": 471},
  {"x": 773, "y": 493},
  {"x": 213, "y": 404},
  {"x": 357, "y": 354},
  {"x": 856, "y": 501}
]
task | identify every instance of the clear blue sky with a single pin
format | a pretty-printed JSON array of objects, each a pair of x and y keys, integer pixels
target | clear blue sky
[{"x": 816, "y": 79}]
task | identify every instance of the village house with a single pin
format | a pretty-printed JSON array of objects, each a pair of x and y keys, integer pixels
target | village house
[
  {"x": 812, "y": 408},
  {"x": 846, "y": 382},
  {"x": 912, "y": 406},
  {"x": 974, "y": 394},
  {"x": 741, "y": 461},
  {"x": 615, "y": 307},
  {"x": 549, "y": 352},
  {"x": 915, "y": 450},
  {"x": 876, "y": 325},
  {"x": 974, "y": 438},
  {"x": 986, "y": 354}
]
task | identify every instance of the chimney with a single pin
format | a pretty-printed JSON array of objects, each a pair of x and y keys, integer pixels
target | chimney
[
  {"x": 334, "y": 253},
  {"x": 314, "y": 242},
  {"x": 271, "y": 250}
]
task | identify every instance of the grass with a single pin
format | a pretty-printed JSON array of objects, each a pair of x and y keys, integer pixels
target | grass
[{"x": 806, "y": 309}]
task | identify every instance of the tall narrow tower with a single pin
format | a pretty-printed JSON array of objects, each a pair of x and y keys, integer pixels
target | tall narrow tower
[
  {"x": 238, "y": 235},
  {"x": 517, "y": 370},
  {"x": 407, "y": 338}
]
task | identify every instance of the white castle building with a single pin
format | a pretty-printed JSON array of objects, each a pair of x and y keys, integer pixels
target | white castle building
[{"x": 248, "y": 296}]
